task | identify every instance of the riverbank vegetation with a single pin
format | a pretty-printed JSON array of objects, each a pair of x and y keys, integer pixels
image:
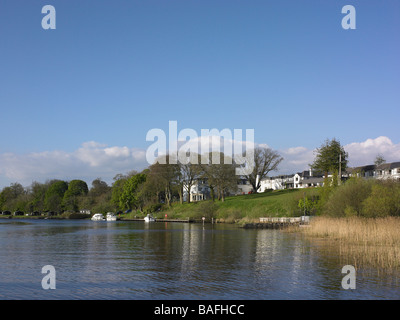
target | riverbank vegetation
[
  {"x": 163, "y": 184},
  {"x": 139, "y": 194},
  {"x": 160, "y": 189},
  {"x": 360, "y": 217},
  {"x": 240, "y": 208},
  {"x": 359, "y": 221},
  {"x": 358, "y": 241}
]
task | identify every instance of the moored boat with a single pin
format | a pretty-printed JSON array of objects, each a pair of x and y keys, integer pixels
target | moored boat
[
  {"x": 111, "y": 216},
  {"x": 149, "y": 218},
  {"x": 98, "y": 217}
]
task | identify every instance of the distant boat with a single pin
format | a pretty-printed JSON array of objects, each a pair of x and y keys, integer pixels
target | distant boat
[
  {"x": 98, "y": 217},
  {"x": 111, "y": 216},
  {"x": 149, "y": 218}
]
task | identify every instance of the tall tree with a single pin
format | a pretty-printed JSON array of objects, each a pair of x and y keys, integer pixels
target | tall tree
[
  {"x": 379, "y": 160},
  {"x": 99, "y": 187},
  {"x": 189, "y": 171},
  {"x": 37, "y": 193},
  {"x": 265, "y": 161},
  {"x": 221, "y": 176},
  {"x": 13, "y": 197},
  {"x": 118, "y": 188},
  {"x": 163, "y": 177},
  {"x": 54, "y": 195},
  {"x": 330, "y": 157},
  {"x": 76, "y": 189},
  {"x": 129, "y": 198}
]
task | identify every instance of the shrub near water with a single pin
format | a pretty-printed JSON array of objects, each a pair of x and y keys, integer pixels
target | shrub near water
[
  {"x": 347, "y": 199},
  {"x": 362, "y": 216},
  {"x": 384, "y": 200},
  {"x": 206, "y": 209},
  {"x": 364, "y": 198}
]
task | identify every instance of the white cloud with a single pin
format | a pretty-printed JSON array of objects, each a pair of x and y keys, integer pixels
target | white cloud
[
  {"x": 90, "y": 161},
  {"x": 296, "y": 159},
  {"x": 94, "y": 160},
  {"x": 213, "y": 142},
  {"x": 364, "y": 153},
  {"x": 360, "y": 153}
]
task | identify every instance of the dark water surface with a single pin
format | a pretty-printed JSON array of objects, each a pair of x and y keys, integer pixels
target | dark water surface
[{"x": 134, "y": 260}]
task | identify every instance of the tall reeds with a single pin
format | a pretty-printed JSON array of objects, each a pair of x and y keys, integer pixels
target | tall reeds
[{"x": 361, "y": 241}]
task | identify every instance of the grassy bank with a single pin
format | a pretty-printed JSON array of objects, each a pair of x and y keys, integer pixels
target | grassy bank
[
  {"x": 360, "y": 241},
  {"x": 249, "y": 207}
]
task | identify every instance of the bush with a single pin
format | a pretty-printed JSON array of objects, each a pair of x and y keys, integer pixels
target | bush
[
  {"x": 384, "y": 199},
  {"x": 205, "y": 209},
  {"x": 152, "y": 208},
  {"x": 230, "y": 216},
  {"x": 295, "y": 207},
  {"x": 347, "y": 199},
  {"x": 364, "y": 198},
  {"x": 78, "y": 216}
]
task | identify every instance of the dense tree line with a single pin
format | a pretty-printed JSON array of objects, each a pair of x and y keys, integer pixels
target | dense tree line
[{"x": 165, "y": 181}]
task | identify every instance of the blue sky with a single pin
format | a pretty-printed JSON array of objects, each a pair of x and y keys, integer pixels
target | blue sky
[{"x": 113, "y": 70}]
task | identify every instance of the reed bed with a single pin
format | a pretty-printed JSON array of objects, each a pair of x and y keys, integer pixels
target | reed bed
[{"x": 360, "y": 241}]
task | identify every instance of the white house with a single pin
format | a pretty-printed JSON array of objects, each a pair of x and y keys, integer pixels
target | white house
[
  {"x": 244, "y": 186},
  {"x": 299, "y": 180},
  {"x": 388, "y": 171},
  {"x": 201, "y": 191},
  {"x": 276, "y": 183},
  {"x": 382, "y": 171}
]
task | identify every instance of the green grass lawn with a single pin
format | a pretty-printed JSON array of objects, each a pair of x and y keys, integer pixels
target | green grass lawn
[{"x": 282, "y": 203}]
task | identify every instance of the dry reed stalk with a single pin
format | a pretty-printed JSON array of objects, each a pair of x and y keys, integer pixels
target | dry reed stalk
[{"x": 363, "y": 241}]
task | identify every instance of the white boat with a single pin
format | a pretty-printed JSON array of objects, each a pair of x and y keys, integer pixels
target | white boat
[
  {"x": 98, "y": 217},
  {"x": 111, "y": 216},
  {"x": 149, "y": 218}
]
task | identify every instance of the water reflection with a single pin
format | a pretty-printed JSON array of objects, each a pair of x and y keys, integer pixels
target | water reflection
[{"x": 134, "y": 260}]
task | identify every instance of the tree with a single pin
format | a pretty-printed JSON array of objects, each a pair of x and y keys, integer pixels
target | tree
[
  {"x": 129, "y": 198},
  {"x": 37, "y": 193},
  {"x": 76, "y": 188},
  {"x": 162, "y": 178},
  {"x": 9, "y": 196},
  {"x": 189, "y": 171},
  {"x": 118, "y": 187},
  {"x": 379, "y": 160},
  {"x": 306, "y": 205},
  {"x": 99, "y": 187},
  {"x": 330, "y": 157},
  {"x": 54, "y": 195},
  {"x": 265, "y": 161},
  {"x": 221, "y": 177}
]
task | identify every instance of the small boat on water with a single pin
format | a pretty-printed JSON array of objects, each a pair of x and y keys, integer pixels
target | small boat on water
[
  {"x": 149, "y": 218},
  {"x": 111, "y": 216},
  {"x": 98, "y": 217}
]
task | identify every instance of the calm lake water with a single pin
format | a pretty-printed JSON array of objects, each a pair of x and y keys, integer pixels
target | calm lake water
[{"x": 135, "y": 260}]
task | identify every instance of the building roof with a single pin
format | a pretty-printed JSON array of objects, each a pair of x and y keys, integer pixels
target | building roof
[
  {"x": 362, "y": 168},
  {"x": 312, "y": 180},
  {"x": 371, "y": 167},
  {"x": 388, "y": 166}
]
